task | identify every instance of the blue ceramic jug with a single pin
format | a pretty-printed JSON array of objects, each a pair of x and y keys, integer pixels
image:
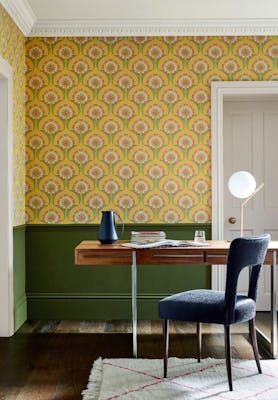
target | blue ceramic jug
[{"x": 108, "y": 232}]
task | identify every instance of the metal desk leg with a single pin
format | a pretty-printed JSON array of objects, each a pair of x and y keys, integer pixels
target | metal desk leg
[
  {"x": 134, "y": 303},
  {"x": 270, "y": 346},
  {"x": 273, "y": 307}
]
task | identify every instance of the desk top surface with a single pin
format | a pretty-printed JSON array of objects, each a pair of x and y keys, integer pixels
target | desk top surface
[
  {"x": 213, "y": 245},
  {"x": 92, "y": 252}
]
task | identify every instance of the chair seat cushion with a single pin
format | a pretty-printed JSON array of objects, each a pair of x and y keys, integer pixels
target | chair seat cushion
[{"x": 205, "y": 306}]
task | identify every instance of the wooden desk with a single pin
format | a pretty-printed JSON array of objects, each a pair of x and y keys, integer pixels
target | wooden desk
[{"x": 93, "y": 253}]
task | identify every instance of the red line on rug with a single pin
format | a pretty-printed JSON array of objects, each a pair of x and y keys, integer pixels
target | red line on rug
[
  {"x": 133, "y": 370},
  {"x": 197, "y": 371},
  {"x": 167, "y": 380},
  {"x": 171, "y": 380},
  {"x": 131, "y": 391},
  {"x": 204, "y": 391},
  {"x": 262, "y": 392},
  {"x": 251, "y": 370}
]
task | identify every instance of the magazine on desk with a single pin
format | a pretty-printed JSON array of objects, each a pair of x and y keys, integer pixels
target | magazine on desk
[
  {"x": 144, "y": 237},
  {"x": 165, "y": 243}
]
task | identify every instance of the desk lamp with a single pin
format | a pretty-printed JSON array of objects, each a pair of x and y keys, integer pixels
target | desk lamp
[{"x": 242, "y": 185}]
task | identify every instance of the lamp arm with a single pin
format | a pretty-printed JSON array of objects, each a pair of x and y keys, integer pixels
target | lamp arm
[
  {"x": 253, "y": 194},
  {"x": 244, "y": 203}
]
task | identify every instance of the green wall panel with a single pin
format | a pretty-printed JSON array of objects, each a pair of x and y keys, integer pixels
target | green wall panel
[
  {"x": 20, "y": 303},
  {"x": 56, "y": 288}
]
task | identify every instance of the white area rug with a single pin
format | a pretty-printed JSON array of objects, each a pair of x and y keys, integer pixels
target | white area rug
[{"x": 141, "y": 379}]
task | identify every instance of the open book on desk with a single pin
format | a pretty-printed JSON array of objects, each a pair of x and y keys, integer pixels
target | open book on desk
[{"x": 165, "y": 243}]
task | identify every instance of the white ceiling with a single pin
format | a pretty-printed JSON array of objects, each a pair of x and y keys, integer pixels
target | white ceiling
[
  {"x": 144, "y": 17},
  {"x": 132, "y": 9}
]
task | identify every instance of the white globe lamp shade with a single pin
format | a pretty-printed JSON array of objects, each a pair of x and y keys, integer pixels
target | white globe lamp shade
[{"x": 242, "y": 184}]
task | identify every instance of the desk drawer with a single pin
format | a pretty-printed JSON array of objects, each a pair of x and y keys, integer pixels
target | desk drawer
[
  {"x": 91, "y": 257},
  {"x": 269, "y": 258},
  {"x": 164, "y": 256},
  {"x": 216, "y": 257},
  {"x": 220, "y": 257}
]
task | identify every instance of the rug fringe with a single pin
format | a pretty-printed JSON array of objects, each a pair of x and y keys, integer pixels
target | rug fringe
[{"x": 95, "y": 380}]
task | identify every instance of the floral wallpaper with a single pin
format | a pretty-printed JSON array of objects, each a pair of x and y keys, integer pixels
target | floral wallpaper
[
  {"x": 12, "y": 49},
  {"x": 124, "y": 123}
]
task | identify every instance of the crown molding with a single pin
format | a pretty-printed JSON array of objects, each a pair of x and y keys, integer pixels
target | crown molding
[
  {"x": 24, "y": 17},
  {"x": 155, "y": 27},
  {"x": 21, "y": 13}
]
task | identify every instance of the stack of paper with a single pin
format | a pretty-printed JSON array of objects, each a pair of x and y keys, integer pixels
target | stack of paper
[
  {"x": 164, "y": 243},
  {"x": 147, "y": 237}
]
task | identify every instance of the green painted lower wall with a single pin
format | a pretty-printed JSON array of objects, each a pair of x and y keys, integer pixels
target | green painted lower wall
[
  {"x": 20, "y": 301},
  {"x": 57, "y": 289}
]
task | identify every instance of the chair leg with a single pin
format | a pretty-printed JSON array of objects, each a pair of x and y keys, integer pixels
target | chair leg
[
  {"x": 199, "y": 340},
  {"x": 253, "y": 337},
  {"x": 228, "y": 355},
  {"x": 166, "y": 345}
]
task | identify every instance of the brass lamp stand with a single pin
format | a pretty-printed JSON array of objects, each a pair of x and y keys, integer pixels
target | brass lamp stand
[{"x": 243, "y": 204}]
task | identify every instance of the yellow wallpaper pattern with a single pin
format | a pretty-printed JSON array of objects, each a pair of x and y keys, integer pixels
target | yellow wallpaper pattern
[
  {"x": 124, "y": 123},
  {"x": 12, "y": 49}
]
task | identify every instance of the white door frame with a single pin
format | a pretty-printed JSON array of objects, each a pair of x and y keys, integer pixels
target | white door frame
[
  {"x": 6, "y": 201},
  {"x": 219, "y": 92}
]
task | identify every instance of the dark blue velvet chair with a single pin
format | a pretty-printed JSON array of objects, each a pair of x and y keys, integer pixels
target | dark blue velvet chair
[{"x": 221, "y": 307}]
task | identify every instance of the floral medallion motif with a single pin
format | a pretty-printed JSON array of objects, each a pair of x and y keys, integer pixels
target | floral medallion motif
[{"x": 124, "y": 123}]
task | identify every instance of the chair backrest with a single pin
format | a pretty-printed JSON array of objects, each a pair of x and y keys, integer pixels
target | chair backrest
[{"x": 244, "y": 252}]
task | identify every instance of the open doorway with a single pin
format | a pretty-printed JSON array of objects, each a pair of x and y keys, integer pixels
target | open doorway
[
  {"x": 6, "y": 201},
  {"x": 222, "y": 91}
]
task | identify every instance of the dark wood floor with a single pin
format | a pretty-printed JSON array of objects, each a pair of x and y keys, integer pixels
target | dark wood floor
[{"x": 51, "y": 360}]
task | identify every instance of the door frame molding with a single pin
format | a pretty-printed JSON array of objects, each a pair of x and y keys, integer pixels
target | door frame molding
[
  {"x": 6, "y": 195},
  {"x": 219, "y": 92}
]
